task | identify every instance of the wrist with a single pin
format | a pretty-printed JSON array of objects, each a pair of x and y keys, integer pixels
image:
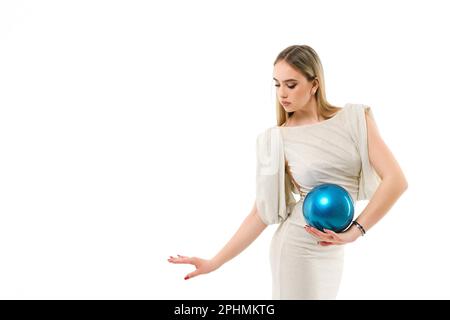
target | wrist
[
  {"x": 215, "y": 263},
  {"x": 355, "y": 232},
  {"x": 361, "y": 229}
]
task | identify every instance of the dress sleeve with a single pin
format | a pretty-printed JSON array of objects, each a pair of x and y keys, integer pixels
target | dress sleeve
[
  {"x": 368, "y": 179},
  {"x": 274, "y": 198}
]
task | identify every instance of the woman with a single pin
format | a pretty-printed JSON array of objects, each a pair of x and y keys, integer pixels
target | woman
[{"x": 314, "y": 142}]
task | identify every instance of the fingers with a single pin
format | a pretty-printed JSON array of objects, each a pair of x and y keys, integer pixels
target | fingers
[
  {"x": 313, "y": 231},
  {"x": 191, "y": 260},
  {"x": 326, "y": 238},
  {"x": 319, "y": 234},
  {"x": 191, "y": 275},
  {"x": 326, "y": 243},
  {"x": 180, "y": 259},
  {"x": 335, "y": 237},
  {"x": 331, "y": 234}
]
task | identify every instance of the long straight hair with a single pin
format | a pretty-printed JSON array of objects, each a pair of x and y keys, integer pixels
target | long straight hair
[{"x": 304, "y": 59}]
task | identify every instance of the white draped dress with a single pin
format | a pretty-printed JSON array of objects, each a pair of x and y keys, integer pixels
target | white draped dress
[{"x": 331, "y": 151}]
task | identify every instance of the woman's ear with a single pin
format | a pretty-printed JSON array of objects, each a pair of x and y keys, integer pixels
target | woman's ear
[{"x": 315, "y": 86}]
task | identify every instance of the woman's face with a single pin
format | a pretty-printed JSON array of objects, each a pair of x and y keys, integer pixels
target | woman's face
[{"x": 294, "y": 91}]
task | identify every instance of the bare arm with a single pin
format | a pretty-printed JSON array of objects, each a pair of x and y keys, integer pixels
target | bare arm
[
  {"x": 393, "y": 183},
  {"x": 250, "y": 229}
]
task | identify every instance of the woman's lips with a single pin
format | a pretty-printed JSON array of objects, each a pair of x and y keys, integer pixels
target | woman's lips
[{"x": 285, "y": 103}]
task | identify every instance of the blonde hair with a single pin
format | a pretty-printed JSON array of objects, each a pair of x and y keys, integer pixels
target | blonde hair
[{"x": 304, "y": 59}]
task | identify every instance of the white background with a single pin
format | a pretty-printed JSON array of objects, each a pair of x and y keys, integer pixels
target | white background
[{"x": 128, "y": 131}]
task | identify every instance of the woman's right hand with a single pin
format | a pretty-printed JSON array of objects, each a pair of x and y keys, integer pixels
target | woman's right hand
[{"x": 203, "y": 266}]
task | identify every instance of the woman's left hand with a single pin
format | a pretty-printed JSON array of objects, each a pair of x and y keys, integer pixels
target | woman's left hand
[{"x": 329, "y": 237}]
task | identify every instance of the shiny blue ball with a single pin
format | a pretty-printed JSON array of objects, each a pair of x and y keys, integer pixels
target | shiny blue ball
[{"x": 328, "y": 206}]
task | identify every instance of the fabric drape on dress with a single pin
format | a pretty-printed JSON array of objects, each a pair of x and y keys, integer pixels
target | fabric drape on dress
[
  {"x": 369, "y": 179},
  {"x": 274, "y": 198}
]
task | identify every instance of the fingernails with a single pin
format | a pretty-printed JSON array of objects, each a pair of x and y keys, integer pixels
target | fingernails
[{"x": 187, "y": 277}]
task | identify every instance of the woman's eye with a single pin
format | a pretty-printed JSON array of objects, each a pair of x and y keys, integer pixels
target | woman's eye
[{"x": 290, "y": 87}]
